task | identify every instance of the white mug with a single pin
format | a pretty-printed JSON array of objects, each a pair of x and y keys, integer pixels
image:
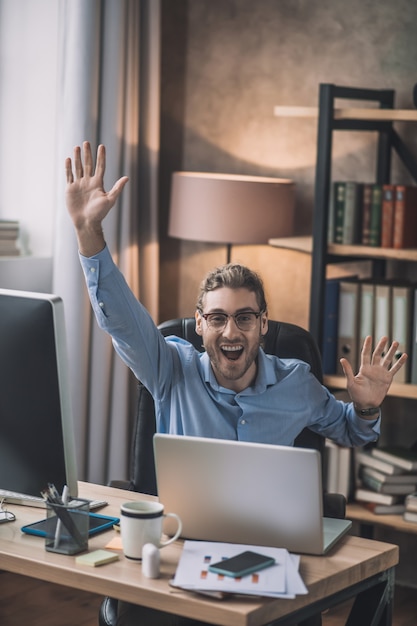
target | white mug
[{"x": 141, "y": 523}]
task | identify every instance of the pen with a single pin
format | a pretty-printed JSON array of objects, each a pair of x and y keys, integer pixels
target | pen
[
  {"x": 53, "y": 498},
  {"x": 64, "y": 498}
]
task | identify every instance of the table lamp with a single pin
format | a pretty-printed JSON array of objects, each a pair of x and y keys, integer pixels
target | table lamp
[{"x": 230, "y": 208}]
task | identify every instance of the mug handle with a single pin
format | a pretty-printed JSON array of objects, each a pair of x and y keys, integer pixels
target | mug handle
[{"x": 177, "y": 534}]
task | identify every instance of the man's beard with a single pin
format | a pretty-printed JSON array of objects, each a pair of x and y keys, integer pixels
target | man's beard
[{"x": 230, "y": 369}]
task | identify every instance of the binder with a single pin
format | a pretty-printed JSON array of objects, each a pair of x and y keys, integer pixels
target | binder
[
  {"x": 382, "y": 323},
  {"x": 347, "y": 330},
  {"x": 402, "y": 305},
  {"x": 366, "y": 312},
  {"x": 331, "y": 309}
]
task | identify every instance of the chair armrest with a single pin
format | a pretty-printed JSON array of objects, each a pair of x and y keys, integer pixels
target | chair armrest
[{"x": 334, "y": 505}]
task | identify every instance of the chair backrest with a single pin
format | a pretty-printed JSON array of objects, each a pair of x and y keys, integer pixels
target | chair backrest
[{"x": 282, "y": 339}]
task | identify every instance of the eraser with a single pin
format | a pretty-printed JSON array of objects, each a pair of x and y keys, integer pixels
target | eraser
[{"x": 97, "y": 557}]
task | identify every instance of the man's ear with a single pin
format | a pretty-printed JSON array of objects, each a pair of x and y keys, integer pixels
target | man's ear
[
  {"x": 198, "y": 323},
  {"x": 264, "y": 323}
]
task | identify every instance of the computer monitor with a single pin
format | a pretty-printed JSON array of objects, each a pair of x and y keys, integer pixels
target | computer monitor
[{"x": 36, "y": 422}]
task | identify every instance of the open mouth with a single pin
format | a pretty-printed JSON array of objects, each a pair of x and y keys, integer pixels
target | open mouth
[{"x": 232, "y": 352}]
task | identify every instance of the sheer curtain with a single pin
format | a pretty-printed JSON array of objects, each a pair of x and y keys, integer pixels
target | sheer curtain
[{"x": 108, "y": 93}]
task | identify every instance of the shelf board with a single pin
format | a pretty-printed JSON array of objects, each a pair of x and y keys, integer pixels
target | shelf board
[
  {"x": 397, "y": 390},
  {"x": 369, "y": 114},
  {"x": 358, "y": 513},
  {"x": 305, "y": 244},
  {"x": 299, "y": 244},
  {"x": 372, "y": 252}
]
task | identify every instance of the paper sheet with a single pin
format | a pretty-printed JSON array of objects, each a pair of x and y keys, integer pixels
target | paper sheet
[{"x": 282, "y": 580}]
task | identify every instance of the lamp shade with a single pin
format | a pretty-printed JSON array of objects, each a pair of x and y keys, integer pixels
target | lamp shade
[{"x": 232, "y": 209}]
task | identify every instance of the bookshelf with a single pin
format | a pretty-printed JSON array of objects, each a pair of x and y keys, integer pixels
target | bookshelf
[
  {"x": 331, "y": 119},
  {"x": 381, "y": 121},
  {"x": 377, "y": 115}
]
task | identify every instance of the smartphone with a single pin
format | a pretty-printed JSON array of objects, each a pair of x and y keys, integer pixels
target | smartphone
[
  {"x": 97, "y": 524},
  {"x": 242, "y": 564}
]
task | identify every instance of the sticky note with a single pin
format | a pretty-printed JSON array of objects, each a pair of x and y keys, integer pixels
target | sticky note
[
  {"x": 115, "y": 543},
  {"x": 97, "y": 557}
]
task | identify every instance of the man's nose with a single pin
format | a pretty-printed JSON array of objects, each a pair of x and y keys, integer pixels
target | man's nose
[{"x": 231, "y": 328}]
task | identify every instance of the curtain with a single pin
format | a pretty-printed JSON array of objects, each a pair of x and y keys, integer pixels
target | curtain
[{"x": 108, "y": 93}]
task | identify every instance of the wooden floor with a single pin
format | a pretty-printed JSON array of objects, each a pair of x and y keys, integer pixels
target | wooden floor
[{"x": 28, "y": 601}]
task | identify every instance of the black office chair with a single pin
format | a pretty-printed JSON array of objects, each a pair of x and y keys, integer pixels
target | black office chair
[{"x": 282, "y": 339}]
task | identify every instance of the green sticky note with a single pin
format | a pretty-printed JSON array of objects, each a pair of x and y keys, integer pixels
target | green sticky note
[{"x": 97, "y": 557}]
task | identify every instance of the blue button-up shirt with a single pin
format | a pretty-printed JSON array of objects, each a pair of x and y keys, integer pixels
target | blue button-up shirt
[{"x": 284, "y": 399}]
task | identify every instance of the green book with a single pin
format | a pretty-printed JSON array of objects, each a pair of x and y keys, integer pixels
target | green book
[{"x": 375, "y": 224}]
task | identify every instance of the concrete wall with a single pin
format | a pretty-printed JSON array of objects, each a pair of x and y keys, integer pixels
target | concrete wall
[{"x": 226, "y": 64}]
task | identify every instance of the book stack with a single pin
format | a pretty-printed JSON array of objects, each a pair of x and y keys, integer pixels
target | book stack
[
  {"x": 374, "y": 215},
  {"x": 385, "y": 477},
  {"x": 9, "y": 236}
]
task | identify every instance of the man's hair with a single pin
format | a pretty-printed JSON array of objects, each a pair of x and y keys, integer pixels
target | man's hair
[{"x": 233, "y": 276}]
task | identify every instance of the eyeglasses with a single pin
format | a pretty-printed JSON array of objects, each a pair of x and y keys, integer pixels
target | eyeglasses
[
  {"x": 246, "y": 320},
  {"x": 5, "y": 515}
]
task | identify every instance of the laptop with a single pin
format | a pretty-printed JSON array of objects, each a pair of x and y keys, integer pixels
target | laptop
[{"x": 239, "y": 492}]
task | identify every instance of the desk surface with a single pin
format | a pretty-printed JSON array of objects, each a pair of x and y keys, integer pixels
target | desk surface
[{"x": 352, "y": 561}]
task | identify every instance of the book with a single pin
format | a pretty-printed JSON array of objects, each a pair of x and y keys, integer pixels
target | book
[
  {"x": 366, "y": 213},
  {"x": 347, "y": 329},
  {"x": 391, "y": 479},
  {"x": 9, "y": 236},
  {"x": 9, "y": 228},
  {"x": 367, "y": 495},
  {"x": 337, "y": 468},
  {"x": 397, "y": 455},
  {"x": 331, "y": 456},
  {"x": 339, "y": 192},
  {"x": 351, "y": 213},
  {"x": 387, "y": 216},
  {"x": 405, "y": 217},
  {"x": 401, "y": 323},
  {"x": 369, "y": 482},
  {"x": 367, "y": 458},
  {"x": 9, "y": 247},
  {"x": 375, "y": 223},
  {"x": 384, "y": 509},
  {"x": 411, "y": 502},
  {"x": 410, "y": 516}
]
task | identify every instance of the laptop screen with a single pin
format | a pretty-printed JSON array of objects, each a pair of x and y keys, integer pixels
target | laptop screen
[{"x": 241, "y": 492}]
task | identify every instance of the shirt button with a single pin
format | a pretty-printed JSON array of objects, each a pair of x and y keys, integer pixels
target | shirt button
[
  {"x": 243, "y": 422},
  {"x": 101, "y": 305},
  {"x": 92, "y": 270}
]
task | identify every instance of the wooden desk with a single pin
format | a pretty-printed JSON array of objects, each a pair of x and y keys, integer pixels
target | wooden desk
[{"x": 355, "y": 565}]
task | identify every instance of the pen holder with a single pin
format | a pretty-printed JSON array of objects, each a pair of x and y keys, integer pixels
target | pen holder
[{"x": 67, "y": 527}]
